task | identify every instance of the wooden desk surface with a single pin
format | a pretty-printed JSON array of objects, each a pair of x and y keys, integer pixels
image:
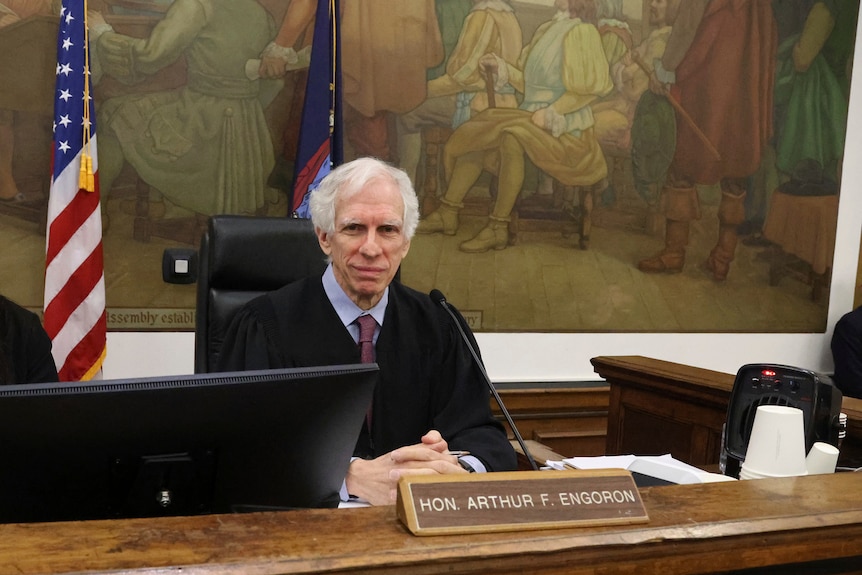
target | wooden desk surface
[{"x": 693, "y": 529}]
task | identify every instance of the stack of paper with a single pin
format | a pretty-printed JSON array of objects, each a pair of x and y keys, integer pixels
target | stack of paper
[{"x": 663, "y": 467}]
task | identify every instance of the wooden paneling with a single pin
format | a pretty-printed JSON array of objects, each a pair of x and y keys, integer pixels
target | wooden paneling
[{"x": 569, "y": 420}]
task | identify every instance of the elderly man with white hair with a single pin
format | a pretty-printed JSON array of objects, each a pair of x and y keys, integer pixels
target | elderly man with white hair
[{"x": 431, "y": 397}]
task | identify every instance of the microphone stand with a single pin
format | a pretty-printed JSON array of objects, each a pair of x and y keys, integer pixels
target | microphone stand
[{"x": 438, "y": 296}]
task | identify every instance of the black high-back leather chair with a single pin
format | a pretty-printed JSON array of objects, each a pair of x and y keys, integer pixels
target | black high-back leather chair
[{"x": 240, "y": 258}]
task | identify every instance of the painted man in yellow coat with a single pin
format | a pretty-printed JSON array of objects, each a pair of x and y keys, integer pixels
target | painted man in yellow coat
[
  {"x": 490, "y": 27},
  {"x": 563, "y": 70}
]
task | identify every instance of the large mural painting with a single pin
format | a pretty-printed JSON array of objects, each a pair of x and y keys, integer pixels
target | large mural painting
[{"x": 582, "y": 165}]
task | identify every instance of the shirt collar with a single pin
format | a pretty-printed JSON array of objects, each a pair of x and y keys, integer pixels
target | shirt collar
[{"x": 345, "y": 308}]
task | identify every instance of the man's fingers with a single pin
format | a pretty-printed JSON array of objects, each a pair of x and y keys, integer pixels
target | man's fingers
[
  {"x": 420, "y": 453},
  {"x": 431, "y": 466}
]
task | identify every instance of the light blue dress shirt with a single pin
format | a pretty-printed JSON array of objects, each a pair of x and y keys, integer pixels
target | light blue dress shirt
[{"x": 347, "y": 310}]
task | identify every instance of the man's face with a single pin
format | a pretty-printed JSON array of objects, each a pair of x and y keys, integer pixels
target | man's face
[
  {"x": 658, "y": 12},
  {"x": 368, "y": 243}
]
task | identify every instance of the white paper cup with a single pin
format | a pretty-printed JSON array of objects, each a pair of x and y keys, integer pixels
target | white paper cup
[
  {"x": 748, "y": 474},
  {"x": 822, "y": 458},
  {"x": 776, "y": 447}
]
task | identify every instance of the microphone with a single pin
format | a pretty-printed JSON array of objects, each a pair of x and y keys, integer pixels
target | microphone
[{"x": 438, "y": 297}]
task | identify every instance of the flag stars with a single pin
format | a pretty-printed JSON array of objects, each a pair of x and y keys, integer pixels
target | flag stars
[{"x": 69, "y": 123}]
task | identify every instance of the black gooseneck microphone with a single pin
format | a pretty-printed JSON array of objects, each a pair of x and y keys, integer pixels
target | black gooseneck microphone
[{"x": 438, "y": 297}]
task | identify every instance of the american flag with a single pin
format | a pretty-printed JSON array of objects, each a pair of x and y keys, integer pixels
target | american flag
[
  {"x": 320, "y": 142},
  {"x": 74, "y": 272}
]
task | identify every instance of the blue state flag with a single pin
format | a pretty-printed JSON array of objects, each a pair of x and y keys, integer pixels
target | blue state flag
[{"x": 320, "y": 140}]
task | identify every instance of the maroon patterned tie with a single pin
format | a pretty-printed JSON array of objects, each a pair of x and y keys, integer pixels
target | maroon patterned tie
[{"x": 367, "y": 324}]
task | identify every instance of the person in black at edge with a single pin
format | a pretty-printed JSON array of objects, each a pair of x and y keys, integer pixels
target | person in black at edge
[
  {"x": 430, "y": 396},
  {"x": 25, "y": 348},
  {"x": 847, "y": 353}
]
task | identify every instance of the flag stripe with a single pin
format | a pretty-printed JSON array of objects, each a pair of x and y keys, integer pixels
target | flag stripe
[
  {"x": 83, "y": 334},
  {"x": 70, "y": 221},
  {"x": 80, "y": 284},
  {"x": 93, "y": 344},
  {"x": 81, "y": 245}
]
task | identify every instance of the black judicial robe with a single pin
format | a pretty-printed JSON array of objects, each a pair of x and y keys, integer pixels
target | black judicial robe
[
  {"x": 427, "y": 379},
  {"x": 847, "y": 353},
  {"x": 26, "y": 354}
]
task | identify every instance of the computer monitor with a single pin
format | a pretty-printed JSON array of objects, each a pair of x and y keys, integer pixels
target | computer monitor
[{"x": 180, "y": 445}]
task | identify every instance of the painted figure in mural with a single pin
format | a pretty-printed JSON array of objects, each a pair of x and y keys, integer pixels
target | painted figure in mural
[
  {"x": 615, "y": 32},
  {"x": 12, "y": 11},
  {"x": 289, "y": 53},
  {"x": 450, "y": 19},
  {"x": 815, "y": 42},
  {"x": 614, "y": 113},
  {"x": 812, "y": 87},
  {"x": 381, "y": 74},
  {"x": 711, "y": 42},
  {"x": 616, "y": 38},
  {"x": 617, "y": 41},
  {"x": 205, "y": 147},
  {"x": 385, "y": 74},
  {"x": 490, "y": 27},
  {"x": 294, "y": 35},
  {"x": 560, "y": 73}
]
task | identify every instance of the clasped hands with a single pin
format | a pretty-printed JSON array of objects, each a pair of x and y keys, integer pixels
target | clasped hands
[{"x": 376, "y": 480}]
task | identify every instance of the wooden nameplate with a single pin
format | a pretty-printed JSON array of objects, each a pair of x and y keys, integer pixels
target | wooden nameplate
[{"x": 518, "y": 500}]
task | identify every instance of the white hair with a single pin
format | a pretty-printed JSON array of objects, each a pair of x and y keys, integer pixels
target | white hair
[{"x": 348, "y": 179}]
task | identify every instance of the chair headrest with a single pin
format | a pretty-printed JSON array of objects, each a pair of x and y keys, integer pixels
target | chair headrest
[{"x": 260, "y": 253}]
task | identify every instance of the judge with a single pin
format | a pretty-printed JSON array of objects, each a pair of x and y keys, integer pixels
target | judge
[{"x": 430, "y": 397}]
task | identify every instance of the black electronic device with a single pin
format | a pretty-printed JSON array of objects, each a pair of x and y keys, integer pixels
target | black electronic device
[
  {"x": 771, "y": 384},
  {"x": 180, "y": 445}
]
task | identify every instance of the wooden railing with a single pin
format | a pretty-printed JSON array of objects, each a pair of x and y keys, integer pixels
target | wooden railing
[
  {"x": 644, "y": 406},
  {"x": 659, "y": 406}
]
